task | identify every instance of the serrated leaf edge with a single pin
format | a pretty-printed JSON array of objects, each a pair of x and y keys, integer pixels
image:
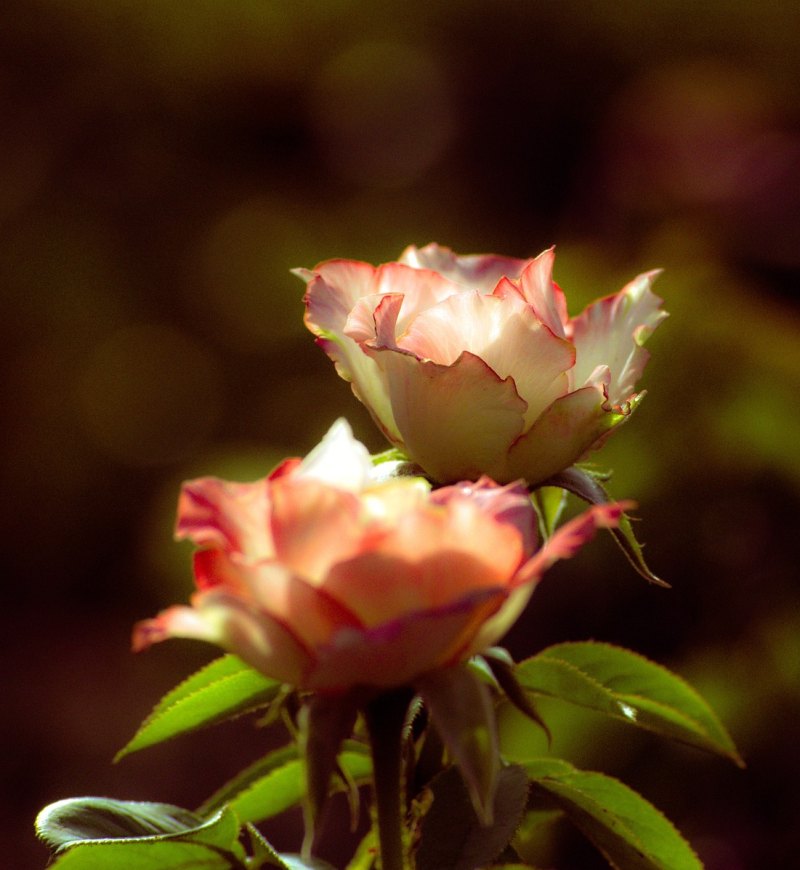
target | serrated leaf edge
[{"x": 716, "y": 721}]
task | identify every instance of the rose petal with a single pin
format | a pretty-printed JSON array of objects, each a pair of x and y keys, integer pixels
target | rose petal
[
  {"x": 332, "y": 292},
  {"x": 612, "y": 331},
  {"x": 569, "y": 538},
  {"x": 227, "y": 621},
  {"x": 456, "y": 421},
  {"x": 505, "y": 504},
  {"x": 477, "y": 271},
  {"x": 339, "y": 460},
  {"x": 271, "y": 588},
  {"x": 505, "y": 333},
  {"x": 563, "y": 434},
  {"x": 394, "y": 653},
  {"x": 233, "y": 516},
  {"x": 564, "y": 544},
  {"x": 542, "y": 294},
  {"x": 427, "y": 559},
  {"x": 313, "y": 525}
]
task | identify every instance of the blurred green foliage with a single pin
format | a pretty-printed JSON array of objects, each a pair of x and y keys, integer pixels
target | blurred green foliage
[{"x": 163, "y": 165}]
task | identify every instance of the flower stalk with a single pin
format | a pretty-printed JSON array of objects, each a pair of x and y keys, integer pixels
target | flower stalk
[{"x": 385, "y": 716}]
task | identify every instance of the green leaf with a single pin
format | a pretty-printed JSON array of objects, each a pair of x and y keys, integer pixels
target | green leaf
[
  {"x": 366, "y": 853},
  {"x": 587, "y": 486},
  {"x": 225, "y": 688},
  {"x": 145, "y": 856},
  {"x": 278, "y": 781},
  {"x": 549, "y": 502},
  {"x": 263, "y": 855},
  {"x": 628, "y": 687},
  {"x": 90, "y": 833},
  {"x": 627, "y": 829},
  {"x": 452, "y": 835},
  {"x": 461, "y": 709}
]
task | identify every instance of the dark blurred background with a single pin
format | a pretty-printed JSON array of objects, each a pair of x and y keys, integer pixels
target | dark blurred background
[{"x": 163, "y": 165}]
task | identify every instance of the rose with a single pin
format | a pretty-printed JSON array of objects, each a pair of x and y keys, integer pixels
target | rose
[
  {"x": 324, "y": 577},
  {"x": 472, "y": 366}
]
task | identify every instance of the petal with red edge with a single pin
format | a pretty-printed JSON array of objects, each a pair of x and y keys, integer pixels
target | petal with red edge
[
  {"x": 272, "y": 589},
  {"x": 332, "y": 292},
  {"x": 505, "y": 504},
  {"x": 563, "y": 434},
  {"x": 222, "y": 619},
  {"x": 542, "y": 294},
  {"x": 456, "y": 421},
  {"x": 334, "y": 287},
  {"x": 505, "y": 333},
  {"x": 233, "y": 516},
  {"x": 612, "y": 331},
  {"x": 565, "y": 542},
  {"x": 394, "y": 653},
  {"x": 428, "y": 560},
  {"x": 477, "y": 271}
]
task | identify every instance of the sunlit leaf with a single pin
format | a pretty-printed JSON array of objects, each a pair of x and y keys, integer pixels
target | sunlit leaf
[
  {"x": 627, "y": 687},
  {"x": 225, "y": 688},
  {"x": 93, "y": 833},
  {"x": 627, "y": 829},
  {"x": 278, "y": 781},
  {"x": 144, "y": 856}
]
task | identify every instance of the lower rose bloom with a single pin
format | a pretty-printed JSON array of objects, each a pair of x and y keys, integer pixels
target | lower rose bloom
[
  {"x": 471, "y": 364},
  {"x": 325, "y": 577}
]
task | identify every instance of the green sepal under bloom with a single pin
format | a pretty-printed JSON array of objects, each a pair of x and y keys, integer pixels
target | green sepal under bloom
[
  {"x": 461, "y": 709},
  {"x": 586, "y": 485},
  {"x": 325, "y": 722},
  {"x": 502, "y": 667}
]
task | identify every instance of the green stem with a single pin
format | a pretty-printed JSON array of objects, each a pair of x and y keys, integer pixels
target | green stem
[{"x": 385, "y": 717}]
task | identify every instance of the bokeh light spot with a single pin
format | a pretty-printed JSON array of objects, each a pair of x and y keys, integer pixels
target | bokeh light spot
[
  {"x": 149, "y": 395},
  {"x": 382, "y": 112}
]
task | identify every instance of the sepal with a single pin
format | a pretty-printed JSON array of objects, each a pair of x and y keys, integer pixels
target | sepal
[
  {"x": 587, "y": 486},
  {"x": 502, "y": 667},
  {"x": 325, "y": 722},
  {"x": 460, "y": 706}
]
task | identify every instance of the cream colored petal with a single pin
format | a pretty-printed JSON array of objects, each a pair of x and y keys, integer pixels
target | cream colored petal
[
  {"x": 506, "y": 334},
  {"x": 476, "y": 271},
  {"x": 611, "y": 332},
  {"x": 456, "y": 421}
]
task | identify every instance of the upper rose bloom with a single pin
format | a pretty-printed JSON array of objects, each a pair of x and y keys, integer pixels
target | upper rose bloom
[
  {"x": 325, "y": 578},
  {"x": 471, "y": 365}
]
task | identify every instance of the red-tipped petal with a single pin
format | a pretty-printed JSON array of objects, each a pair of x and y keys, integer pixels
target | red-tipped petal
[
  {"x": 232, "y": 516},
  {"x": 611, "y": 332}
]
